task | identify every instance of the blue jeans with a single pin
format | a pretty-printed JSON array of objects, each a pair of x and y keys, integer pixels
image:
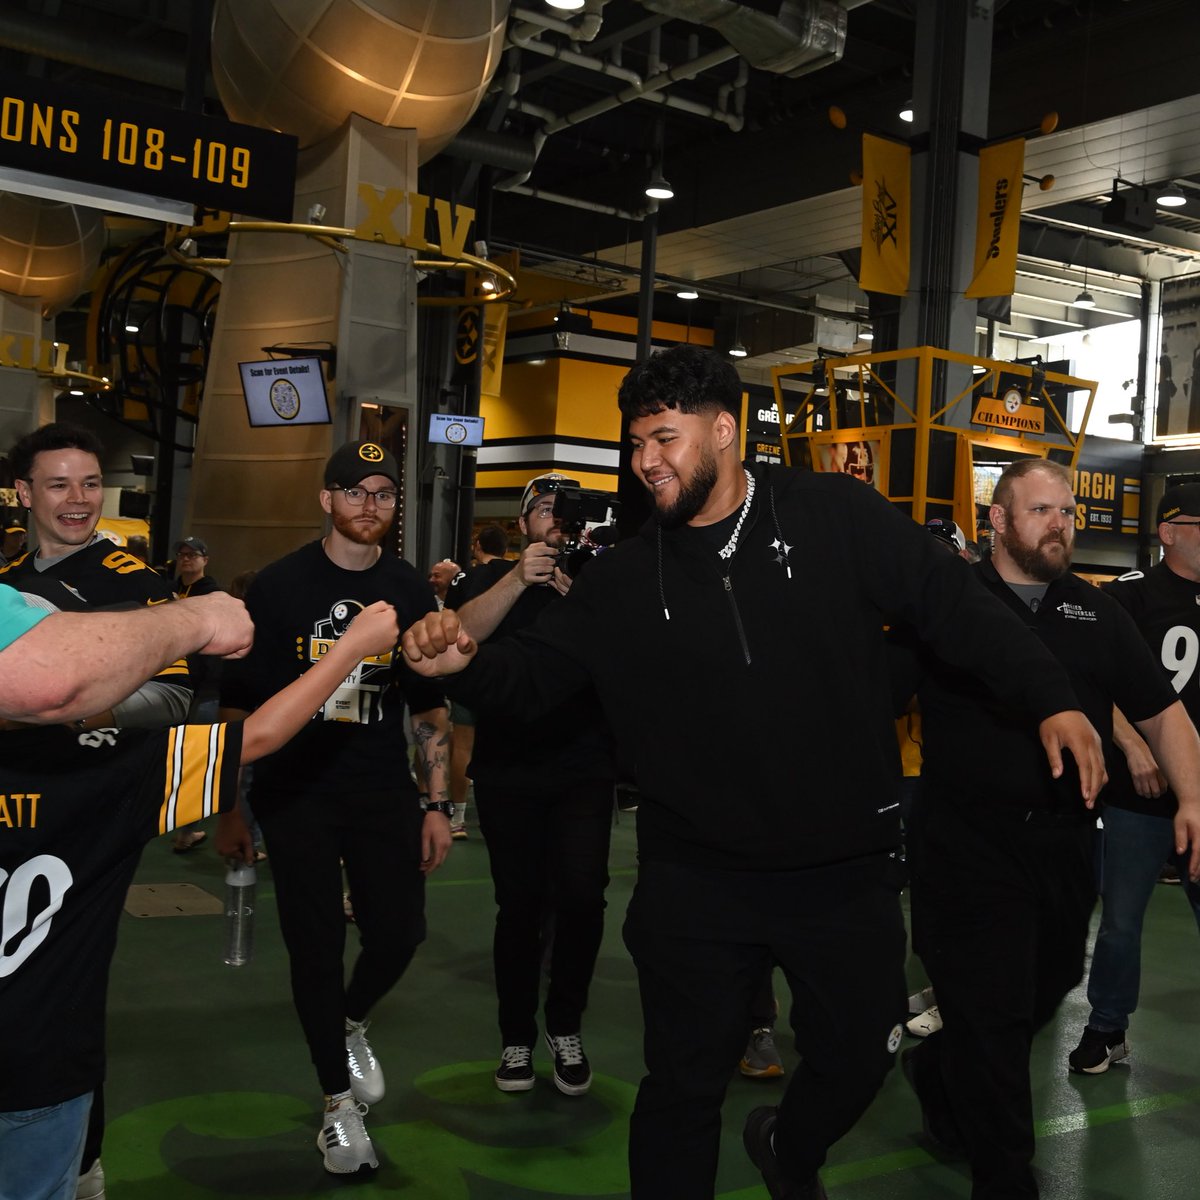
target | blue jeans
[
  {"x": 1133, "y": 849},
  {"x": 41, "y": 1148}
]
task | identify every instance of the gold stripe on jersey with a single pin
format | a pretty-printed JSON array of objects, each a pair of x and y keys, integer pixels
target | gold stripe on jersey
[
  {"x": 178, "y": 667},
  {"x": 191, "y": 791}
]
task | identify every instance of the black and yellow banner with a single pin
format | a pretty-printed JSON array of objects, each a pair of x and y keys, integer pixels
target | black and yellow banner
[
  {"x": 886, "y": 216},
  {"x": 998, "y": 219}
]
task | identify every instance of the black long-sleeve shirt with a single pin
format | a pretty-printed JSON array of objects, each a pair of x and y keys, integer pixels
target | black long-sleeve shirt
[{"x": 757, "y": 718}]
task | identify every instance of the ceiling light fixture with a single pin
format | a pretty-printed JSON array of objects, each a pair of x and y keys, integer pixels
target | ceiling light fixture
[
  {"x": 1085, "y": 299},
  {"x": 487, "y": 284},
  {"x": 658, "y": 188},
  {"x": 688, "y": 294},
  {"x": 737, "y": 350},
  {"x": 1171, "y": 196},
  {"x": 565, "y": 5},
  {"x": 866, "y": 336},
  {"x": 907, "y": 114}
]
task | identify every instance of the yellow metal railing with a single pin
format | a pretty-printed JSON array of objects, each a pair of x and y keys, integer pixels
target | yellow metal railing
[{"x": 839, "y": 422}]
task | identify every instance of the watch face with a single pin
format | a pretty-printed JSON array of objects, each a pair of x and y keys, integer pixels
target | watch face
[
  {"x": 456, "y": 432},
  {"x": 1013, "y": 399},
  {"x": 285, "y": 400}
]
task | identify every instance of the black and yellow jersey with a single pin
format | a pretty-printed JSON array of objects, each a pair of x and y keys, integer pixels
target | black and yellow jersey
[
  {"x": 75, "y": 811},
  {"x": 1166, "y": 609},
  {"x": 99, "y": 575}
]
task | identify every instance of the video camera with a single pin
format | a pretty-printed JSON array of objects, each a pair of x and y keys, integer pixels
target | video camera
[{"x": 587, "y": 518}]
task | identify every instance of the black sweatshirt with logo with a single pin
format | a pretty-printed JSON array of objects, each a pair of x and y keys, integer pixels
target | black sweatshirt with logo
[{"x": 750, "y": 697}]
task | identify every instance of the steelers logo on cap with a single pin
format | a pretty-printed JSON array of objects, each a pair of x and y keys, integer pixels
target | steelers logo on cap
[{"x": 370, "y": 452}]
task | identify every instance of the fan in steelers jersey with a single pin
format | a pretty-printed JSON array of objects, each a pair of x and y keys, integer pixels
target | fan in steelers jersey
[
  {"x": 58, "y": 479},
  {"x": 75, "y": 811},
  {"x": 1138, "y": 836}
]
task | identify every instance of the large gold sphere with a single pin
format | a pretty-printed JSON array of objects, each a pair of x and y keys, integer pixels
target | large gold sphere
[
  {"x": 49, "y": 251},
  {"x": 303, "y": 66}
]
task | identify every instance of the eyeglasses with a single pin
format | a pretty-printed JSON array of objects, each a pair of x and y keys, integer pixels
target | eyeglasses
[
  {"x": 545, "y": 511},
  {"x": 357, "y": 496},
  {"x": 190, "y": 554}
]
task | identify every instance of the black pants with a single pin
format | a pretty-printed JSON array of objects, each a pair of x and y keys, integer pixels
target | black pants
[
  {"x": 1000, "y": 917},
  {"x": 702, "y": 940},
  {"x": 549, "y": 858},
  {"x": 379, "y": 840}
]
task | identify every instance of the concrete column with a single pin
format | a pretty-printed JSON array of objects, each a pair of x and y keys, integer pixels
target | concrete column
[{"x": 951, "y": 80}]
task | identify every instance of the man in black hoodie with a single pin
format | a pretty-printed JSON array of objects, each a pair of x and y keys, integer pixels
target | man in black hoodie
[{"x": 737, "y": 649}]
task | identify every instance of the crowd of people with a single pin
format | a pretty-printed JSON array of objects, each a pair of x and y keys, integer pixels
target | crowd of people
[{"x": 537, "y": 693}]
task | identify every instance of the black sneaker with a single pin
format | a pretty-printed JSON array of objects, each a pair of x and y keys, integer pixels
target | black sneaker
[
  {"x": 756, "y": 1137},
  {"x": 936, "y": 1119},
  {"x": 515, "y": 1072},
  {"x": 572, "y": 1073},
  {"x": 1096, "y": 1050}
]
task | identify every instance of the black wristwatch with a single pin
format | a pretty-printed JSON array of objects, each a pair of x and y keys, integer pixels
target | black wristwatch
[{"x": 436, "y": 806}]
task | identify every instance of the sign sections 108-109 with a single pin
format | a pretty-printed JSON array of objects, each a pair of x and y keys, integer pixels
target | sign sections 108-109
[{"x": 99, "y": 137}]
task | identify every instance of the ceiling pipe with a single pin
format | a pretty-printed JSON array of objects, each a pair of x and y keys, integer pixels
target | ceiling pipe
[
  {"x": 644, "y": 90},
  {"x": 521, "y": 189},
  {"x": 95, "y": 50},
  {"x": 529, "y": 22}
]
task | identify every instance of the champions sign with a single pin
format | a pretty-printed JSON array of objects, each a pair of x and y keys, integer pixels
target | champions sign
[
  {"x": 997, "y": 219},
  {"x": 1009, "y": 412}
]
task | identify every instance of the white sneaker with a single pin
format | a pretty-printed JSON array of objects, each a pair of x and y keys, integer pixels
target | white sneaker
[
  {"x": 366, "y": 1075},
  {"x": 343, "y": 1139},
  {"x": 923, "y": 1024},
  {"x": 91, "y": 1183}
]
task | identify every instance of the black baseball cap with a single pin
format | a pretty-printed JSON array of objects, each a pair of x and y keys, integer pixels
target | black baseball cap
[
  {"x": 350, "y": 464},
  {"x": 192, "y": 543},
  {"x": 1182, "y": 500}
]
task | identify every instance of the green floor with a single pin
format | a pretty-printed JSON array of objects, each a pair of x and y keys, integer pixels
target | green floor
[{"x": 211, "y": 1095}]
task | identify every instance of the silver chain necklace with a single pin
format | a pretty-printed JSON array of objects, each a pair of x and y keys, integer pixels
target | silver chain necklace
[{"x": 731, "y": 545}]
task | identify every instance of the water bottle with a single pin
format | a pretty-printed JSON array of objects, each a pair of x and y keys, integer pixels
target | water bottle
[{"x": 240, "y": 881}]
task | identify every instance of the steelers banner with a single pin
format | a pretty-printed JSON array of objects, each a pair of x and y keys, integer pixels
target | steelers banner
[
  {"x": 886, "y": 216},
  {"x": 998, "y": 218}
]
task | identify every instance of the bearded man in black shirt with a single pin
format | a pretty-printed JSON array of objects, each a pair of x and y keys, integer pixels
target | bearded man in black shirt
[
  {"x": 752, "y": 606},
  {"x": 1001, "y": 856},
  {"x": 341, "y": 789}
]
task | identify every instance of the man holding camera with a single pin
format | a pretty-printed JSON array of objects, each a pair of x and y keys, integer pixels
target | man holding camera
[{"x": 544, "y": 790}]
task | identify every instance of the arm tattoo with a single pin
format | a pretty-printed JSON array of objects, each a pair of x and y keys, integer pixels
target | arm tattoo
[{"x": 431, "y": 746}]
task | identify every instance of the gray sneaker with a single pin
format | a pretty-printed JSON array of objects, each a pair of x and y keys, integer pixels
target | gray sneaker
[
  {"x": 366, "y": 1075},
  {"x": 761, "y": 1060},
  {"x": 343, "y": 1139}
]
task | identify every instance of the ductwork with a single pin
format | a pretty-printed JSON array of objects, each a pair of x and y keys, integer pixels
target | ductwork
[{"x": 806, "y": 34}]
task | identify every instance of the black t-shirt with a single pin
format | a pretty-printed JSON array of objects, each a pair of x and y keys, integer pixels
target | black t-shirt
[
  {"x": 975, "y": 749},
  {"x": 476, "y": 580},
  {"x": 203, "y": 586},
  {"x": 1166, "y": 609},
  {"x": 356, "y": 744},
  {"x": 564, "y": 746},
  {"x": 75, "y": 811}
]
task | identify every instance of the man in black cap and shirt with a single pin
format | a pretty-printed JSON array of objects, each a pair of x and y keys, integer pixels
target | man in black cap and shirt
[
  {"x": 341, "y": 789},
  {"x": 544, "y": 792},
  {"x": 1139, "y": 808},
  {"x": 1001, "y": 856}
]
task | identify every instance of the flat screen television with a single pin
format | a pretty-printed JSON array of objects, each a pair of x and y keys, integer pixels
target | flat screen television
[{"x": 285, "y": 391}]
